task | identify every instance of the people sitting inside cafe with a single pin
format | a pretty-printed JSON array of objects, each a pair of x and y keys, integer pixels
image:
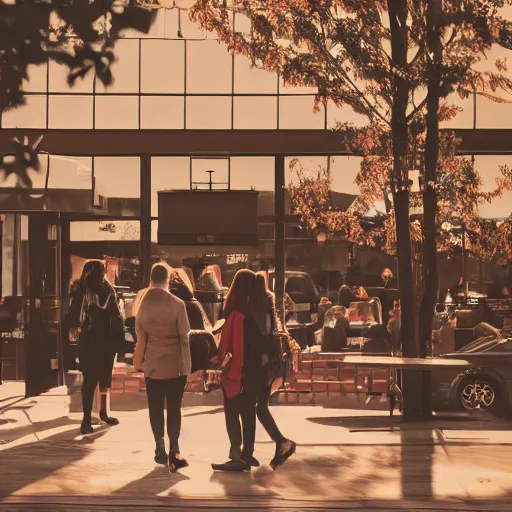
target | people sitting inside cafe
[
  {"x": 347, "y": 295},
  {"x": 338, "y": 320},
  {"x": 364, "y": 312},
  {"x": 389, "y": 281},
  {"x": 324, "y": 305},
  {"x": 444, "y": 338},
  {"x": 334, "y": 334}
]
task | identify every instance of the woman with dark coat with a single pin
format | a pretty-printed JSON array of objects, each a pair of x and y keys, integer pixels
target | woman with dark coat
[
  {"x": 264, "y": 312},
  {"x": 196, "y": 314},
  {"x": 94, "y": 318},
  {"x": 244, "y": 380}
]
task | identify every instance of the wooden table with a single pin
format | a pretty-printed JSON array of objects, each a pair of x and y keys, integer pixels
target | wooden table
[
  {"x": 390, "y": 363},
  {"x": 404, "y": 363}
]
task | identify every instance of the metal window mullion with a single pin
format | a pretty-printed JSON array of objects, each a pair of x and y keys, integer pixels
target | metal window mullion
[
  {"x": 474, "y": 110},
  {"x": 47, "y": 94},
  {"x": 190, "y": 164},
  {"x": 140, "y": 82},
  {"x": 93, "y": 182},
  {"x": 233, "y": 82},
  {"x": 174, "y": 94},
  {"x": 185, "y": 96},
  {"x": 229, "y": 173},
  {"x": 278, "y": 101},
  {"x": 95, "y": 79}
]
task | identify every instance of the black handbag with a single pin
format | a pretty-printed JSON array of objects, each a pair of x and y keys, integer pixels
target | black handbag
[
  {"x": 202, "y": 349},
  {"x": 279, "y": 357}
]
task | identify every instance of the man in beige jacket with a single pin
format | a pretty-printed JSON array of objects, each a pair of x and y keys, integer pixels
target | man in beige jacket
[{"x": 163, "y": 354}]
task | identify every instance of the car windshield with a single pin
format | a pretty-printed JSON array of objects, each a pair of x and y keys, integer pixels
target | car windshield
[
  {"x": 483, "y": 344},
  {"x": 298, "y": 284}
]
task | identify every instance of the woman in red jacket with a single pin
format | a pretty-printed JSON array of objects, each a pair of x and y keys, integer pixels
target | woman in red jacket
[{"x": 245, "y": 375}]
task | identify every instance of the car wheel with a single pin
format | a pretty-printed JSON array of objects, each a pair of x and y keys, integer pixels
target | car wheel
[{"x": 478, "y": 393}]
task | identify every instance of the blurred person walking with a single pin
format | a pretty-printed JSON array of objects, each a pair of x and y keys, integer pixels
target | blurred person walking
[
  {"x": 163, "y": 354},
  {"x": 95, "y": 321}
]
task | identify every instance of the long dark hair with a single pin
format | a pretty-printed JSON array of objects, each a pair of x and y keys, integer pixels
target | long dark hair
[
  {"x": 261, "y": 296},
  {"x": 345, "y": 296},
  {"x": 240, "y": 293},
  {"x": 264, "y": 300},
  {"x": 92, "y": 278}
]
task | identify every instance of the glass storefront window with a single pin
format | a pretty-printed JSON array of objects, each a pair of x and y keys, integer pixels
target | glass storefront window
[{"x": 117, "y": 186}]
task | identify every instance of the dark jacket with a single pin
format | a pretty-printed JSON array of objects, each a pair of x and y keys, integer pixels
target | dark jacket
[
  {"x": 335, "y": 339},
  {"x": 346, "y": 296},
  {"x": 102, "y": 330},
  {"x": 196, "y": 314},
  {"x": 255, "y": 346}
]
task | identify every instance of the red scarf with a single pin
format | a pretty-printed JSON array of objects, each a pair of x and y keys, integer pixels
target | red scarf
[{"x": 232, "y": 340}]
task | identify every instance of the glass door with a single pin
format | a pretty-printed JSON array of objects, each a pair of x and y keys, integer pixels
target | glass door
[{"x": 43, "y": 340}]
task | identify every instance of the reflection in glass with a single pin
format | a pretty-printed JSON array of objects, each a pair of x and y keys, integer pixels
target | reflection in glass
[
  {"x": 253, "y": 80},
  {"x": 163, "y": 67},
  {"x": 208, "y": 67},
  {"x": 255, "y": 113},
  {"x": 121, "y": 112},
  {"x": 37, "y": 78},
  {"x": 208, "y": 113},
  {"x": 162, "y": 113},
  {"x": 125, "y": 69},
  {"x": 95, "y": 231},
  {"x": 117, "y": 185},
  {"x": 296, "y": 112},
  {"x": 168, "y": 173},
  {"x": 59, "y": 80},
  {"x": 31, "y": 115},
  {"x": 70, "y": 112}
]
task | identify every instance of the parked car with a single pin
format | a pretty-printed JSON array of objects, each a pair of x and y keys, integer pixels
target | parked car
[
  {"x": 487, "y": 385},
  {"x": 303, "y": 292}
]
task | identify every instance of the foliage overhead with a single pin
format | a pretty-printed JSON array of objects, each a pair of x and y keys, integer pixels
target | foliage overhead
[
  {"x": 458, "y": 183},
  {"x": 343, "y": 47},
  {"x": 79, "y": 34}
]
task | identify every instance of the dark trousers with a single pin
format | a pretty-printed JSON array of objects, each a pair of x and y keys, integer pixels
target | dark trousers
[
  {"x": 265, "y": 417},
  {"x": 247, "y": 406},
  {"x": 91, "y": 379},
  {"x": 169, "y": 391}
]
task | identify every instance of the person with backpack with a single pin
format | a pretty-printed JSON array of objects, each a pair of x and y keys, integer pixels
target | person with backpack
[
  {"x": 94, "y": 320},
  {"x": 274, "y": 367},
  {"x": 163, "y": 354},
  {"x": 245, "y": 355}
]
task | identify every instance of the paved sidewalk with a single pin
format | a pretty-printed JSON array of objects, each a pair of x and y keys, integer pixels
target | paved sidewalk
[
  {"x": 346, "y": 460},
  {"x": 10, "y": 392}
]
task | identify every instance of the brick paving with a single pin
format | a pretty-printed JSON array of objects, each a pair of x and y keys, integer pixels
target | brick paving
[{"x": 346, "y": 460}]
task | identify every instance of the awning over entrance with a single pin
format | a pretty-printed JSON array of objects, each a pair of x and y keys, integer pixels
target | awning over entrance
[{"x": 228, "y": 142}]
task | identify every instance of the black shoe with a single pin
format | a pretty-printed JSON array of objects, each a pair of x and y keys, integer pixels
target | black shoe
[
  {"x": 252, "y": 461},
  {"x": 284, "y": 451},
  {"x": 176, "y": 462},
  {"x": 105, "y": 418},
  {"x": 232, "y": 466},
  {"x": 86, "y": 428},
  {"x": 160, "y": 454}
]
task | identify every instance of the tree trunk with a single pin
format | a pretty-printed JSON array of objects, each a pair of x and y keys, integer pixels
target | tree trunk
[
  {"x": 409, "y": 334},
  {"x": 430, "y": 262}
]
